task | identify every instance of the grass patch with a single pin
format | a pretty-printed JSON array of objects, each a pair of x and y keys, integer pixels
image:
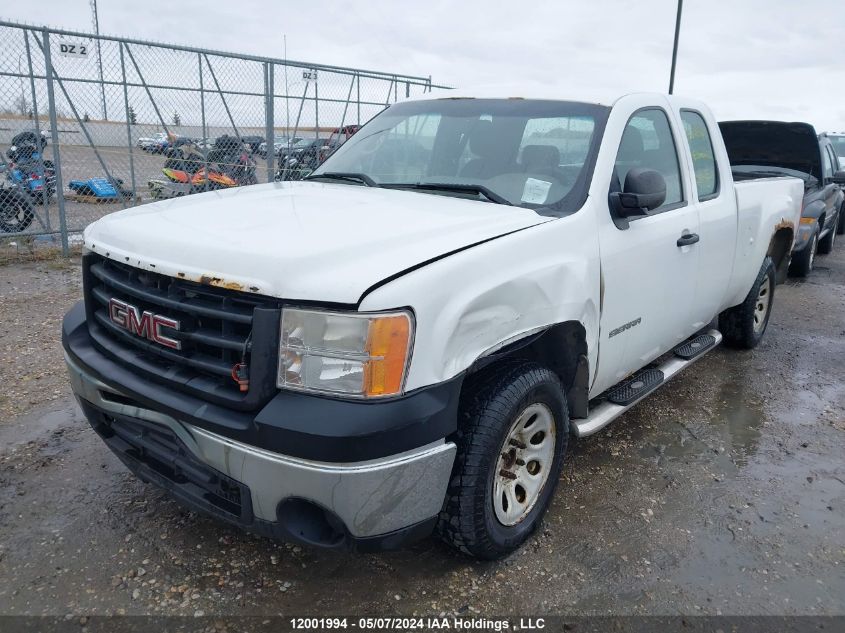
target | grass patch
[{"x": 25, "y": 249}]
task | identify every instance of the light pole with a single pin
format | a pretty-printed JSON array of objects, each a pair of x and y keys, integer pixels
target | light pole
[
  {"x": 99, "y": 57},
  {"x": 675, "y": 46}
]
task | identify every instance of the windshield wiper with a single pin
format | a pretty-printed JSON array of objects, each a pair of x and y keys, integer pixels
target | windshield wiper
[
  {"x": 491, "y": 195},
  {"x": 346, "y": 176}
]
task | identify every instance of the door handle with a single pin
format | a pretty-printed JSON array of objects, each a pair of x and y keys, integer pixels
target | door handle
[{"x": 687, "y": 238}]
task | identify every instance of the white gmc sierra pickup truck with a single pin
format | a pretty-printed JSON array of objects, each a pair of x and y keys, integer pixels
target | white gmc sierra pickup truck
[{"x": 405, "y": 342}]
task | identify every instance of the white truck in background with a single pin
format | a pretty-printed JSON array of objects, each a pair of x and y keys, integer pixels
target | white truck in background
[{"x": 405, "y": 342}]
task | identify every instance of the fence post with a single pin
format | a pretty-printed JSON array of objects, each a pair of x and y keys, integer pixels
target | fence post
[
  {"x": 35, "y": 116},
  {"x": 205, "y": 149},
  {"x": 317, "y": 109},
  {"x": 84, "y": 129},
  {"x": 346, "y": 105},
  {"x": 128, "y": 125},
  {"x": 269, "y": 119},
  {"x": 54, "y": 134},
  {"x": 202, "y": 97}
]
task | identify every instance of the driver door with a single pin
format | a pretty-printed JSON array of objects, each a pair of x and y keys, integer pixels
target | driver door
[{"x": 649, "y": 276}]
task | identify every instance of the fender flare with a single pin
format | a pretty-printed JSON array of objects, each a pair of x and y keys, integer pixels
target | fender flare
[{"x": 562, "y": 347}]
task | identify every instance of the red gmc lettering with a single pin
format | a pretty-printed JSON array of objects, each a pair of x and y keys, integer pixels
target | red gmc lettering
[{"x": 144, "y": 324}]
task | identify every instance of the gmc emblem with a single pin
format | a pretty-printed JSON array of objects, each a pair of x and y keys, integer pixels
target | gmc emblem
[{"x": 144, "y": 324}]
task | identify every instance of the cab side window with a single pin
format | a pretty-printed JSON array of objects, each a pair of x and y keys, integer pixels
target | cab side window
[
  {"x": 647, "y": 142},
  {"x": 827, "y": 164},
  {"x": 703, "y": 157},
  {"x": 835, "y": 160}
]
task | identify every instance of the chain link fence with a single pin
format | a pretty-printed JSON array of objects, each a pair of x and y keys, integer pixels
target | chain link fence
[{"x": 90, "y": 125}]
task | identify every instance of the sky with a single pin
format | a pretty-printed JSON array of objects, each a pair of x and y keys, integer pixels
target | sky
[{"x": 773, "y": 59}]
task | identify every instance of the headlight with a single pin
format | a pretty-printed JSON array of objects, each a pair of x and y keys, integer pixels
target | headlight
[{"x": 354, "y": 354}]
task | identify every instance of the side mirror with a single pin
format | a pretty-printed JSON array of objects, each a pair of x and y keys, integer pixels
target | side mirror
[
  {"x": 644, "y": 190},
  {"x": 839, "y": 177}
]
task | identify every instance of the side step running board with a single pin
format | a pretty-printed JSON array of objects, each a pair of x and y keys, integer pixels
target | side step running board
[
  {"x": 697, "y": 346},
  {"x": 644, "y": 381},
  {"x": 626, "y": 394}
]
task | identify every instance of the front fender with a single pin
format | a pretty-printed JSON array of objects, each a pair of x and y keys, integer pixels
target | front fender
[
  {"x": 482, "y": 298},
  {"x": 813, "y": 210}
]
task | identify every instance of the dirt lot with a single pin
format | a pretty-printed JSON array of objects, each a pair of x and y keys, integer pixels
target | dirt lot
[{"x": 722, "y": 494}]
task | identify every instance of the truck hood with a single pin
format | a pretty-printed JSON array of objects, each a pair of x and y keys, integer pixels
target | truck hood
[
  {"x": 773, "y": 144},
  {"x": 300, "y": 241}
]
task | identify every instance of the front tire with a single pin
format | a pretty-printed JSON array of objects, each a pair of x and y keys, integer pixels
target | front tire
[
  {"x": 826, "y": 243},
  {"x": 743, "y": 326},
  {"x": 802, "y": 263},
  {"x": 840, "y": 222},
  {"x": 512, "y": 438}
]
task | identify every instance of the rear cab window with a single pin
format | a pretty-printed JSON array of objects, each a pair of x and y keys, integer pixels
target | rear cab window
[
  {"x": 703, "y": 157},
  {"x": 827, "y": 164}
]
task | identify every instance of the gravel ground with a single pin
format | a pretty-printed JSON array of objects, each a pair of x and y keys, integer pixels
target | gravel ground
[
  {"x": 724, "y": 493},
  {"x": 33, "y": 299}
]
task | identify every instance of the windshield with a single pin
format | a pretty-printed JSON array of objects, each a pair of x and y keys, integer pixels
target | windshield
[
  {"x": 305, "y": 142},
  {"x": 529, "y": 153}
]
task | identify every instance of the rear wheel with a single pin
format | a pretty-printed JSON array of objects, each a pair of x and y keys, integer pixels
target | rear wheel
[
  {"x": 803, "y": 261},
  {"x": 514, "y": 429},
  {"x": 744, "y": 325}
]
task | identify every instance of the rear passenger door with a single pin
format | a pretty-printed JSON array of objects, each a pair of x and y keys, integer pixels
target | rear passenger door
[
  {"x": 716, "y": 209},
  {"x": 648, "y": 275}
]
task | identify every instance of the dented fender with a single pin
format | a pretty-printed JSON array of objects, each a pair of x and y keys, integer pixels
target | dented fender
[{"x": 474, "y": 302}]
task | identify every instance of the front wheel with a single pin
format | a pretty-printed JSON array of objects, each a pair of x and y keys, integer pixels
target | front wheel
[
  {"x": 826, "y": 243},
  {"x": 514, "y": 430},
  {"x": 840, "y": 221},
  {"x": 744, "y": 325},
  {"x": 802, "y": 263}
]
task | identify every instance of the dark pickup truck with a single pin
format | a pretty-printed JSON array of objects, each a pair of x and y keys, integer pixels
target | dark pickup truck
[{"x": 761, "y": 149}]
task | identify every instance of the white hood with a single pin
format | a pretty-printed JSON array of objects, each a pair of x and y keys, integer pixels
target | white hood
[{"x": 307, "y": 241}]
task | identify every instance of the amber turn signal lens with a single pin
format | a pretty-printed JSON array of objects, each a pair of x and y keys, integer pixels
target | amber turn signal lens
[{"x": 387, "y": 346}]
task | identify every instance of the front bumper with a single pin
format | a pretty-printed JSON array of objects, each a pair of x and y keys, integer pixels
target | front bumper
[{"x": 377, "y": 503}]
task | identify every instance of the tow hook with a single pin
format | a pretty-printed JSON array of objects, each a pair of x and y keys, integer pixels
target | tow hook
[{"x": 240, "y": 374}]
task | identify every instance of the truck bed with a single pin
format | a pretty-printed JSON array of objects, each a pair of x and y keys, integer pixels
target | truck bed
[{"x": 773, "y": 202}]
